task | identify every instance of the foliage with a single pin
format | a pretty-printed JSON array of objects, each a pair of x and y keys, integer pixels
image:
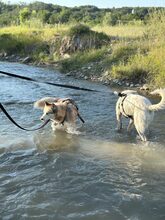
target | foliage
[
  {"x": 80, "y": 59},
  {"x": 122, "y": 32},
  {"x": 25, "y": 41},
  {"x": 148, "y": 63},
  {"x": 24, "y": 15},
  {"x": 135, "y": 51},
  {"x": 110, "y": 19},
  {"x": 55, "y": 14},
  {"x": 79, "y": 29}
]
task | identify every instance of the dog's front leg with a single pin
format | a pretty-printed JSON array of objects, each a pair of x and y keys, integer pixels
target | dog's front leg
[
  {"x": 118, "y": 116},
  {"x": 119, "y": 121},
  {"x": 131, "y": 122}
]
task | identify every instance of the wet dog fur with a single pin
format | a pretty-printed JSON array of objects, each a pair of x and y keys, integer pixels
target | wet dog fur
[
  {"x": 63, "y": 112},
  {"x": 138, "y": 109}
]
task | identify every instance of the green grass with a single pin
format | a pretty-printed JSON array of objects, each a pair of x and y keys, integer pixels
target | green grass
[
  {"x": 79, "y": 59},
  {"x": 122, "y": 31},
  {"x": 24, "y": 40},
  {"x": 135, "y": 53},
  {"x": 146, "y": 60}
]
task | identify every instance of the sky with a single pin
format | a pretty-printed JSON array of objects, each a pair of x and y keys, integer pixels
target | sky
[{"x": 99, "y": 3}]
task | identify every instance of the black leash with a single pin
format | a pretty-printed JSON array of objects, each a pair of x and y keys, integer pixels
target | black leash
[
  {"x": 49, "y": 83},
  {"x": 81, "y": 118},
  {"x": 12, "y": 120}
]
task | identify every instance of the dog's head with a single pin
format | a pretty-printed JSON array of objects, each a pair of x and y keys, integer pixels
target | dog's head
[{"x": 49, "y": 111}]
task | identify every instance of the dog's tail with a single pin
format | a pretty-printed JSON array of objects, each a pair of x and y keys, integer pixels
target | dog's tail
[
  {"x": 41, "y": 103},
  {"x": 161, "y": 104}
]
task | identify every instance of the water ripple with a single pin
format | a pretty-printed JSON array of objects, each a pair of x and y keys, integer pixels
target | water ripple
[{"x": 94, "y": 174}]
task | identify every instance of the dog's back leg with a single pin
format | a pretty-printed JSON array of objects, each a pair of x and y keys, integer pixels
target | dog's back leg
[
  {"x": 142, "y": 136},
  {"x": 141, "y": 131}
]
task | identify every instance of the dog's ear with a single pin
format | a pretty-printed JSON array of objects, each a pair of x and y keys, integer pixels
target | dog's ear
[
  {"x": 54, "y": 105},
  {"x": 48, "y": 104}
]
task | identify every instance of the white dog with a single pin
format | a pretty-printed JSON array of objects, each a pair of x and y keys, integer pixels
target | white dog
[
  {"x": 138, "y": 109},
  {"x": 63, "y": 112}
]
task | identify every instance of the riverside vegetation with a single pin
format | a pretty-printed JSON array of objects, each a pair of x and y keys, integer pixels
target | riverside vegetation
[{"x": 126, "y": 54}]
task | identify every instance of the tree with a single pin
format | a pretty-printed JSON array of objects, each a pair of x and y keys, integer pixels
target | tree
[
  {"x": 110, "y": 18},
  {"x": 24, "y": 15},
  {"x": 44, "y": 15},
  {"x": 54, "y": 18},
  {"x": 64, "y": 15}
]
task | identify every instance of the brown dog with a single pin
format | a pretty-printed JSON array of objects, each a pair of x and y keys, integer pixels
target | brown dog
[{"x": 62, "y": 112}]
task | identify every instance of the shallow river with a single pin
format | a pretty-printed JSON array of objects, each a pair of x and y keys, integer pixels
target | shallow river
[{"x": 94, "y": 174}]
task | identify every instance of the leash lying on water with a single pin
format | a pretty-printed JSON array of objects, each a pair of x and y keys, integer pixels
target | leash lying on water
[
  {"x": 49, "y": 83},
  {"x": 14, "y": 122}
]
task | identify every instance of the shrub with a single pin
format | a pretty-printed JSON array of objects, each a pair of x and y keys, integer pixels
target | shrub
[
  {"x": 142, "y": 60},
  {"x": 79, "y": 29},
  {"x": 136, "y": 69},
  {"x": 80, "y": 59},
  {"x": 9, "y": 43},
  {"x": 120, "y": 52},
  {"x": 140, "y": 67},
  {"x": 155, "y": 29}
]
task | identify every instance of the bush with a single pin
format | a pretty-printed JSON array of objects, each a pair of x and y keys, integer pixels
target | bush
[
  {"x": 140, "y": 67},
  {"x": 80, "y": 59},
  {"x": 22, "y": 43},
  {"x": 141, "y": 60},
  {"x": 9, "y": 43},
  {"x": 120, "y": 53},
  {"x": 136, "y": 69},
  {"x": 79, "y": 29},
  {"x": 156, "y": 26}
]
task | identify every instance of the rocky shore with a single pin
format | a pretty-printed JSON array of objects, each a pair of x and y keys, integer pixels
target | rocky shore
[{"x": 94, "y": 71}]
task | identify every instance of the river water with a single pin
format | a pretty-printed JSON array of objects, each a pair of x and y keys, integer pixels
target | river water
[{"x": 94, "y": 174}]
